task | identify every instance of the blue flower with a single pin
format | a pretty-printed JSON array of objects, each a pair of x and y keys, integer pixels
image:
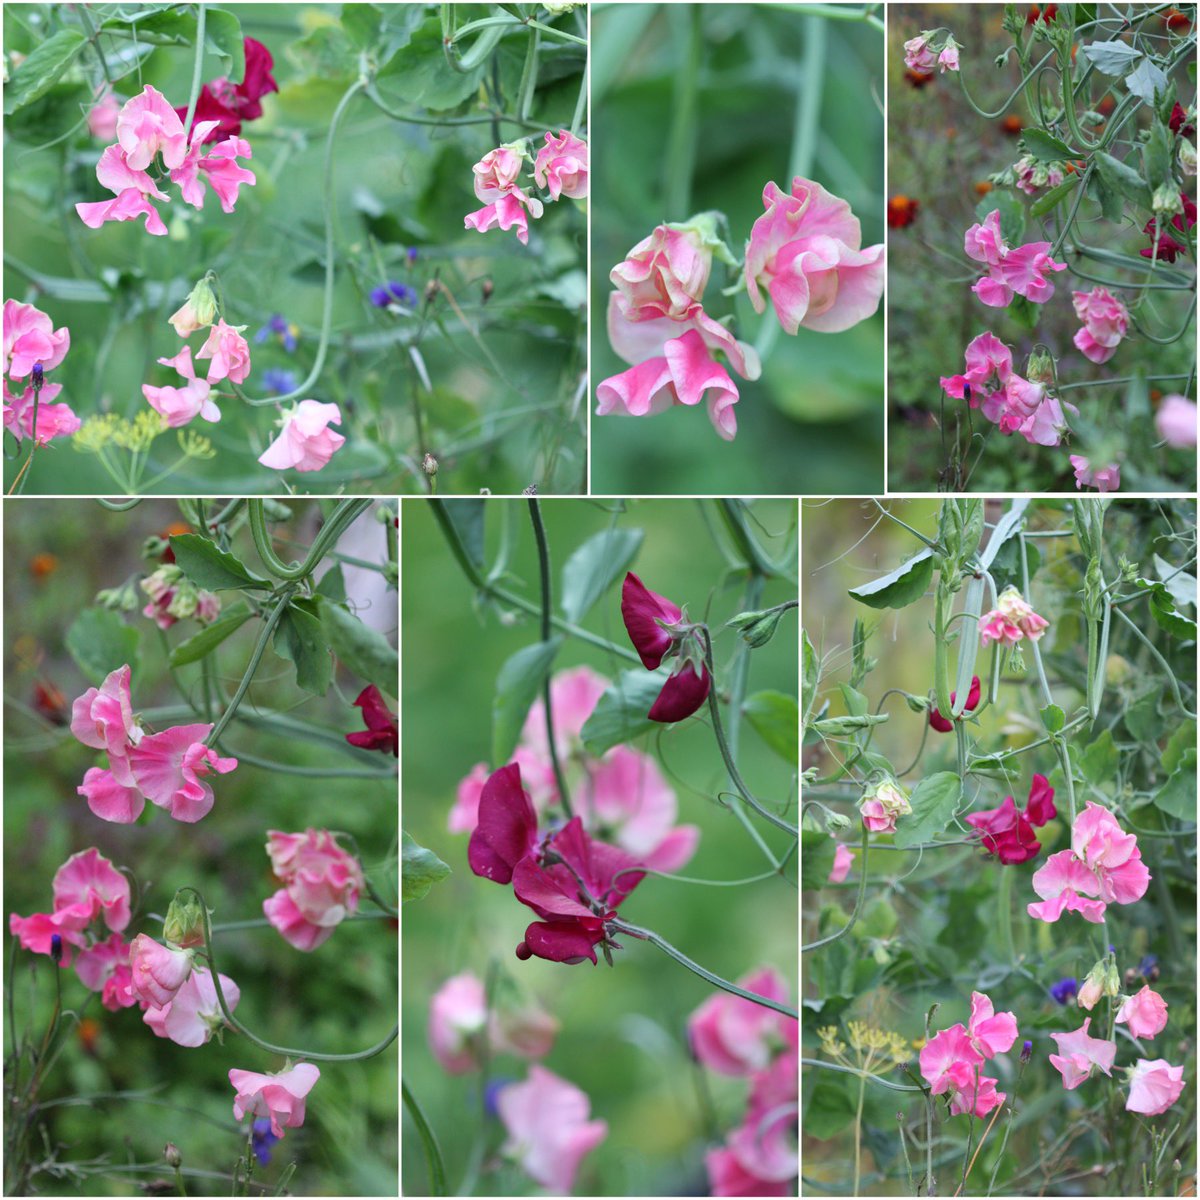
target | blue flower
[
  {"x": 1065, "y": 990},
  {"x": 393, "y": 292},
  {"x": 412, "y": 254},
  {"x": 492, "y": 1093},
  {"x": 262, "y": 1140},
  {"x": 283, "y": 327},
  {"x": 1148, "y": 967},
  {"x": 279, "y": 381}
]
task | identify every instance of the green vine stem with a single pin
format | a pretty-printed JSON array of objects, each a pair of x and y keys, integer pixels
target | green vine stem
[
  {"x": 887, "y": 1083},
  {"x": 346, "y": 512},
  {"x": 197, "y": 66}
]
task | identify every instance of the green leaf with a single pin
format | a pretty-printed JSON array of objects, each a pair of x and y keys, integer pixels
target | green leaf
[
  {"x": 467, "y": 517},
  {"x": 593, "y": 567},
  {"x": 419, "y": 73},
  {"x": 517, "y": 685},
  {"x": 1112, "y": 57},
  {"x": 775, "y": 717},
  {"x": 42, "y": 69},
  {"x": 1053, "y": 718},
  {"x": 1100, "y": 760},
  {"x": 55, "y": 113},
  {"x": 361, "y": 23},
  {"x": 1045, "y": 147},
  {"x": 1178, "y": 744},
  {"x": 1163, "y": 610},
  {"x": 211, "y": 636},
  {"x": 933, "y": 803},
  {"x": 420, "y": 869},
  {"x": 1146, "y": 80},
  {"x": 333, "y": 585},
  {"x": 361, "y": 649},
  {"x": 208, "y": 566},
  {"x": 1180, "y": 584},
  {"x": 223, "y": 33},
  {"x": 1122, "y": 179},
  {"x": 1177, "y": 797},
  {"x": 100, "y": 642},
  {"x": 812, "y": 675},
  {"x": 1012, "y": 214},
  {"x": 828, "y": 1110},
  {"x": 899, "y": 588},
  {"x": 620, "y": 714},
  {"x": 300, "y": 637},
  {"x": 1157, "y": 155},
  {"x": 1055, "y": 196},
  {"x": 839, "y": 726},
  {"x": 816, "y": 858}
]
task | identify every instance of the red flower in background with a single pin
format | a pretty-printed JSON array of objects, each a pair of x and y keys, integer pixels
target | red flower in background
[
  {"x": 231, "y": 104},
  {"x": 1168, "y": 247},
  {"x": 1177, "y": 122},
  {"x": 1035, "y": 11},
  {"x": 382, "y": 732},
  {"x": 901, "y": 212},
  {"x": 944, "y": 724},
  {"x": 918, "y": 79},
  {"x": 1008, "y": 833}
]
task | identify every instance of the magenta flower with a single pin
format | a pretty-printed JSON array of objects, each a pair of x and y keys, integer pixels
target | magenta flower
[
  {"x": 158, "y": 971},
  {"x": 279, "y": 1097},
  {"x": 1078, "y": 1054},
  {"x": 506, "y": 830},
  {"x": 549, "y": 1132},
  {"x": 322, "y": 884},
  {"x": 1103, "y": 479},
  {"x": 305, "y": 440},
  {"x": 1020, "y": 271},
  {"x": 733, "y": 1036},
  {"x": 944, "y": 724},
  {"x": 382, "y": 732},
  {"x": 193, "y": 1014},
  {"x": 228, "y": 351},
  {"x": 104, "y": 967},
  {"x": 30, "y": 338},
  {"x": 169, "y": 770},
  {"x": 1145, "y": 1013},
  {"x": 228, "y": 105},
  {"x": 1008, "y": 833},
  {"x": 1011, "y": 620},
  {"x": 1105, "y": 320},
  {"x": 1175, "y": 421},
  {"x": 458, "y": 1018},
  {"x": 179, "y": 405},
  {"x": 843, "y": 860},
  {"x": 561, "y": 166},
  {"x": 1154, "y": 1085},
  {"x": 806, "y": 251},
  {"x": 728, "y": 1177}
]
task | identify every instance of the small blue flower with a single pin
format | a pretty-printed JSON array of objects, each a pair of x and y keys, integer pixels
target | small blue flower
[
  {"x": 393, "y": 292},
  {"x": 281, "y": 326},
  {"x": 492, "y": 1094},
  {"x": 412, "y": 255},
  {"x": 37, "y": 376},
  {"x": 1026, "y": 1051},
  {"x": 56, "y": 949},
  {"x": 279, "y": 381},
  {"x": 1148, "y": 967},
  {"x": 1065, "y": 990},
  {"x": 262, "y": 1140}
]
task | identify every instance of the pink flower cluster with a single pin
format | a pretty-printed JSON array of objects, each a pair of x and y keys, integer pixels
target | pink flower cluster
[
  {"x": 1007, "y": 833},
  {"x": 172, "y": 597},
  {"x": 166, "y": 768},
  {"x": 1012, "y": 620},
  {"x": 229, "y": 358},
  {"x": 1032, "y": 176},
  {"x": 951, "y": 1061},
  {"x": 146, "y": 127},
  {"x": 920, "y": 56},
  {"x": 1103, "y": 479},
  {"x": 881, "y": 804},
  {"x": 561, "y": 167},
  {"x": 321, "y": 886},
  {"x": 305, "y": 442},
  {"x": 1105, "y": 320},
  {"x": 737, "y": 1037},
  {"x": 623, "y": 792},
  {"x": 1017, "y": 271},
  {"x": 33, "y": 346},
  {"x": 1015, "y": 404},
  {"x": 279, "y": 1096}
]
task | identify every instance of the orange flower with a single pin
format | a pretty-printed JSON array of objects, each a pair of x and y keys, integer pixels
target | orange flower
[
  {"x": 918, "y": 79},
  {"x": 50, "y": 702},
  {"x": 41, "y": 565},
  {"x": 1174, "y": 19},
  {"x": 901, "y": 211},
  {"x": 88, "y": 1031},
  {"x": 982, "y": 187},
  {"x": 1051, "y": 11},
  {"x": 1012, "y": 125}
]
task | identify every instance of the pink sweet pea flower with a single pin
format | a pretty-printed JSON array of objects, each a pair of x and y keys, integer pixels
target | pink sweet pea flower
[
  {"x": 158, "y": 971},
  {"x": 508, "y": 212},
  {"x": 179, "y": 405},
  {"x": 115, "y": 173},
  {"x": 305, "y": 440},
  {"x": 1154, "y": 1085},
  {"x": 882, "y": 804},
  {"x": 279, "y": 1096},
  {"x": 464, "y": 816},
  {"x": 228, "y": 351},
  {"x": 562, "y": 166},
  {"x": 30, "y": 338},
  {"x": 102, "y": 117},
  {"x": 102, "y": 717},
  {"x": 497, "y": 172},
  {"x": 948, "y": 58},
  {"x": 728, "y": 1177},
  {"x": 1103, "y": 479},
  {"x": 322, "y": 884},
  {"x": 53, "y": 420},
  {"x": 1078, "y": 1054},
  {"x": 146, "y": 126},
  {"x": 1062, "y": 882},
  {"x": 806, "y": 251},
  {"x": 111, "y": 799},
  {"x": 991, "y": 1033},
  {"x": 193, "y": 1014},
  {"x": 573, "y": 696},
  {"x": 169, "y": 767},
  {"x": 1145, "y": 1013},
  {"x": 983, "y": 1094},
  {"x": 1175, "y": 422},
  {"x": 1021, "y": 270},
  {"x": 104, "y": 967},
  {"x": 219, "y": 167},
  {"x": 1011, "y": 620},
  {"x": 1105, "y": 320},
  {"x": 548, "y": 1128},
  {"x": 948, "y": 1060},
  {"x": 665, "y": 274},
  {"x": 944, "y": 724},
  {"x": 843, "y": 860},
  {"x": 128, "y": 206},
  {"x": 37, "y": 931},
  {"x": 528, "y": 1032},
  {"x": 765, "y": 1144},
  {"x": 733, "y": 1036},
  {"x": 88, "y": 878},
  {"x": 918, "y": 56},
  {"x": 458, "y": 1018}
]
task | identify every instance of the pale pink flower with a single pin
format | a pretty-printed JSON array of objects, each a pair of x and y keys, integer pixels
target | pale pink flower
[
  {"x": 30, "y": 338},
  {"x": 843, "y": 859},
  {"x": 1175, "y": 421},
  {"x": 228, "y": 351},
  {"x": 146, "y": 126},
  {"x": 1105, "y": 320},
  {"x": 88, "y": 878},
  {"x": 279, "y": 1096},
  {"x": 1090, "y": 992},
  {"x": 991, "y": 1033},
  {"x": 1154, "y": 1085},
  {"x": 1033, "y": 176},
  {"x": 104, "y": 967},
  {"x": 573, "y": 697},
  {"x": 1011, "y": 620},
  {"x": 733, "y": 1036},
  {"x": 506, "y": 212},
  {"x": 102, "y": 118},
  {"x": 1145, "y": 1013},
  {"x": 765, "y": 1144},
  {"x": 728, "y": 1177},
  {"x": 186, "y": 320},
  {"x": 193, "y": 1014},
  {"x": 1021, "y": 270},
  {"x": 305, "y": 441},
  {"x": 882, "y": 804},
  {"x": 918, "y": 56},
  {"x": 464, "y": 816},
  {"x": 806, "y": 251},
  {"x": 458, "y": 1018},
  {"x": 665, "y": 274},
  {"x": 128, "y": 206},
  {"x": 169, "y": 770},
  {"x": 562, "y": 166},
  {"x": 322, "y": 884},
  {"x": 218, "y": 166},
  {"x": 548, "y": 1128},
  {"x": 53, "y": 420},
  {"x": 497, "y": 172},
  {"x": 948, "y": 58},
  {"x": 1078, "y": 1054},
  {"x": 158, "y": 971},
  {"x": 179, "y": 405},
  {"x": 1103, "y": 479}
]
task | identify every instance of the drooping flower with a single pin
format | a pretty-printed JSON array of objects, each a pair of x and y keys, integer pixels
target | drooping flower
[
  {"x": 549, "y": 1132},
  {"x": 1162, "y": 246},
  {"x": 30, "y": 338},
  {"x": 843, "y": 860},
  {"x": 305, "y": 441},
  {"x": 1078, "y": 1054},
  {"x": 806, "y": 251},
  {"x": 1145, "y": 1013},
  {"x": 193, "y": 1014},
  {"x": 561, "y": 166},
  {"x": 764, "y": 1147},
  {"x": 1105, "y": 320},
  {"x": 179, "y": 405},
  {"x": 228, "y": 105},
  {"x": 1033, "y": 175},
  {"x": 1020, "y": 270},
  {"x": 918, "y": 56},
  {"x": 196, "y": 312},
  {"x": 506, "y": 827},
  {"x": 279, "y": 1096},
  {"x": 382, "y": 732},
  {"x": 1008, "y": 833},
  {"x": 948, "y": 58},
  {"x": 1103, "y": 479},
  {"x": 322, "y": 883},
  {"x": 505, "y": 202},
  {"x": 945, "y": 724},
  {"x": 1011, "y": 620},
  {"x": 173, "y": 597},
  {"x": 458, "y": 1016},
  {"x": 158, "y": 971},
  {"x": 228, "y": 351},
  {"x": 733, "y": 1036},
  {"x": 882, "y": 804},
  {"x": 1175, "y": 421},
  {"x": 1154, "y": 1085}
]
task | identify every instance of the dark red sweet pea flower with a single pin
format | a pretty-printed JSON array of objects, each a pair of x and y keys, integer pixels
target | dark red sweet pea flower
[
  {"x": 382, "y": 732},
  {"x": 1007, "y": 832},
  {"x": 231, "y": 104},
  {"x": 507, "y": 828},
  {"x": 642, "y": 611},
  {"x": 1178, "y": 122},
  {"x": 944, "y": 724},
  {"x": 1040, "y": 806},
  {"x": 682, "y": 694}
]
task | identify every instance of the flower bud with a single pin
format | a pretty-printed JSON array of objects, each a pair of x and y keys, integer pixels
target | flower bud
[
  {"x": 198, "y": 310},
  {"x": 1094, "y": 986},
  {"x": 757, "y": 628},
  {"x": 37, "y": 376},
  {"x": 835, "y": 822},
  {"x": 429, "y": 465},
  {"x": 1026, "y": 1051},
  {"x": 184, "y": 924},
  {"x": 1039, "y": 367},
  {"x": 56, "y": 949},
  {"x": 172, "y": 1155}
]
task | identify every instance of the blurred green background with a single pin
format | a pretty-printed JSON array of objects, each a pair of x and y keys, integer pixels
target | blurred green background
[
  {"x": 341, "y": 997},
  {"x": 813, "y": 423},
  {"x": 940, "y": 155},
  {"x": 503, "y": 411},
  {"x": 623, "y": 1037}
]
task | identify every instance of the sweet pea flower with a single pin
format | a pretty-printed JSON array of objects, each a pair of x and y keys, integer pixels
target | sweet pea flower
[
  {"x": 102, "y": 117},
  {"x": 505, "y": 202},
  {"x": 561, "y": 166},
  {"x": 843, "y": 859},
  {"x": 229, "y": 353},
  {"x": 30, "y": 338},
  {"x": 573, "y": 697},
  {"x": 1105, "y": 320},
  {"x": 945, "y": 724},
  {"x": 218, "y": 168},
  {"x": 102, "y": 717},
  {"x": 1092, "y": 990},
  {"x": 1145, "y": 1013},
  {"x": 382, "y": 731},
  {"x": 1162, "y": 246},
  {"x": 497, "y": 172},
  {"x": 991, "y": 1033},
  {"x": 548, "y": 1128},
  {"x": 305, "y": 440},
  {"x": 1103, "y": 479},
  {"x": 948, "y": 58},
  {"x": 1175, "y": 421},
  {"x": 458, "y": 1017},
  {"x": 733, "y": 1036},
  {"x": 169, "y": 770},
  {"x": 506, "y": 828},
  {"x": 728, "y": 1177},
  {"x": 1020, "y": 271},
  {"x": 1033, "y": 176},
  {"x": 147, "y": 126},
  {"x": 193, "y": 1014},
  {"x": 322, "y": 884},
  {"x": 665, "y": 274},
  {"x": 950, "y": 1063},
  {"x": 179, "y": 405},
  {"x": 158, "y": 971},
  {"x": 227, "y": 105},
  {"x": 806, "y": 251},
  {"x": 128, "y": 206},
  {"x": 279, "y": 1096},
  {"x": 104, "y": 967},
  {"x": 765, "y": 1144},
  {"x": 1011, "y": 620},
  {"x": 1078, "y": 1054},
  {"x": 1154, "y": 1085},
  {"x": 527, "y": 1031},
  {"x": 918, "y": 56},
  {"x": 1007, "y": 833},
  {"x": 882, "y": 804},
  {"x": 53, "y": 420}
]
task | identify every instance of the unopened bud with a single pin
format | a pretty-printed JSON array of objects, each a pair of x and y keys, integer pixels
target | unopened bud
[
  {"x": 757, "y": 628},
  {"x": 172, "y": 1155},
  {"x": 429, "y": 465},
  {"x": 1039, "y": 367},
  {"x": 184, "y": 924},
  {"x": 56, "y": 950},
  {"x": 1167, "y": 200},
  {"x": 1026, "y": 1051},
  {"x": 835, "y": 822},
  {"x": 37, "y": 376}
]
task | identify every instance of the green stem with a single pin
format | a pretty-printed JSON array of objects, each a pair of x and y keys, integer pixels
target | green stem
[
  {"x": 806, "y": 122},
  {"x": 680, "y": 159},
  {"x": 862, "y": 1095},
  {"x": 409, "y": 119},
  {"x": 197, "y": 67},
  {"x": 887, "y": 1083},
  {"x": 433, "y": 1153}
]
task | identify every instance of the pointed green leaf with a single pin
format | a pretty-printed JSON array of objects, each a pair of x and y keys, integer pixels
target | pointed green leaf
[
  {"x": 361, "y": 649},
  {"x": 1177, "y": 797},
  {"x": 933, "y": 803},
  {"x": 620, "y": 714},
  {"x": 899, "y": 588},
  {"x": 300, "y": 638},
  {"x": 594, "y": 566},
  {"x": 208, "y": 566},
  {"x": 100, "y": 642},
  {"x": 211, "y": 636},
  {"x": 420, "y": 869},
  {"x": 42, "y": 69},
  {"x": 517, "y": 686},
  {"x": 775, "y": 717}
]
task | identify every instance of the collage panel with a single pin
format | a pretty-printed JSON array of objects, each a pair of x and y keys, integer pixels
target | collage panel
[
  {"x": 1042, "y": 211},
  {"x": 599, "y": 717},
  {"x": 201, "y": 867},
  {"x": 260, "y": 249},
  {"x": 999, "y": 846},
  {"x": 737, "y": 256}
]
